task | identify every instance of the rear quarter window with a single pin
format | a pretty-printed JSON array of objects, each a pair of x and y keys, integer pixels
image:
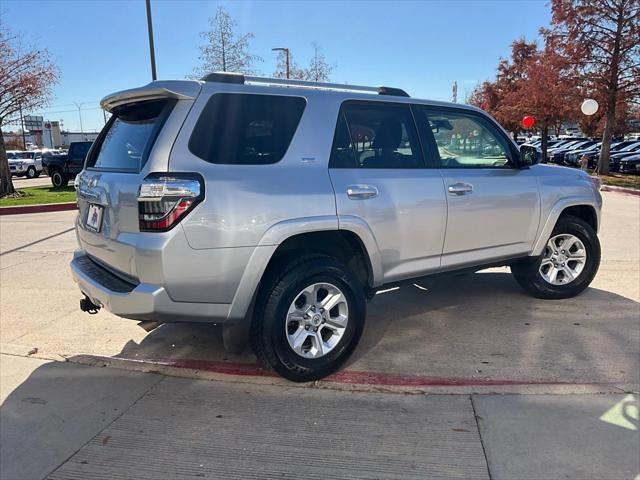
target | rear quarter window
[
  {"x": 246, "y": 129},
  {"x": 125, "y": 143}
]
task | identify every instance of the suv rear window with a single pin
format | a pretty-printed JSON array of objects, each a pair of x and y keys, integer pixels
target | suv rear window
[
  {"x": 128, "y": 137},
  {"x": 246, "y": 129}
]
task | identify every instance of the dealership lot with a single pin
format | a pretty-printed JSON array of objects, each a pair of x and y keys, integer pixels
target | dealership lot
[
  {"x": 475, "y": 328},
  {"x": 471, "y": 335}
]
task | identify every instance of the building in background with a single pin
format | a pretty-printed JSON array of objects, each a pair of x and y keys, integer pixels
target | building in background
[
  {"x": 50, "y": 136},
  {"x": 67, "y": 137}
]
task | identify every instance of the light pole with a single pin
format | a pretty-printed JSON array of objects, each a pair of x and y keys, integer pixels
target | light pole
[
  {"x": 152, "y": 51},
  {"x": 79, "y": 107},
  {"x": 286, "y": 51},
  {"x": 24, "y": 137}
]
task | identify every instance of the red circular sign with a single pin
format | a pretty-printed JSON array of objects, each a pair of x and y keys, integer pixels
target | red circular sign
[
  {"x": 47, "y": 125},
  {"x": 528, "y": 121}
]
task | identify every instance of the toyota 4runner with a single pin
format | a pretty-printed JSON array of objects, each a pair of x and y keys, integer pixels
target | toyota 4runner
[{"x": 278, "y": 207}]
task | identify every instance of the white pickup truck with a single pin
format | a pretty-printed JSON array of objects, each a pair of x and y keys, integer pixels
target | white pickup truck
[{"x": 25, "y": 164}]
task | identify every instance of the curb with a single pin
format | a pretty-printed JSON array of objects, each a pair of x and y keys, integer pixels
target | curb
[
  {"x": 628, "y": 191},
  {"x": 39, "y": 208},
  {"x": 347, "y": 380}
]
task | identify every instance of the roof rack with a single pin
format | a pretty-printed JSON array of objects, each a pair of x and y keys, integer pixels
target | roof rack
[{"x": 239, "y": 78}]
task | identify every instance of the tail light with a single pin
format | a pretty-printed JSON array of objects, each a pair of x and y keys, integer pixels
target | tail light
[{"x": 165, "y": 199}]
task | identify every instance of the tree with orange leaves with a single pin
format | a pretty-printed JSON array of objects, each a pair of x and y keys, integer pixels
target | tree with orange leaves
[{"x": 601, "y": 39}]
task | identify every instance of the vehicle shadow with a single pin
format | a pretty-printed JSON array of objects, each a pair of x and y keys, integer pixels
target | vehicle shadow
[{"x": 480, "y": 324}]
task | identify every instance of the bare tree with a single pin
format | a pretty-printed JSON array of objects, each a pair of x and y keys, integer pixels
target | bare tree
[
  {"x": 295, "y": 72},
  {"x": 602, "y": 39},
  {"x": 26, "y": 79},
  {"x": 224, "y": 51},
  {"x": 319, "y": 69}
]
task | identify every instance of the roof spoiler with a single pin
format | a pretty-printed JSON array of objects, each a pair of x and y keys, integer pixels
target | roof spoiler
[
  {"x": 180, "y": 90},
  {"x": 239, "y": 78}
]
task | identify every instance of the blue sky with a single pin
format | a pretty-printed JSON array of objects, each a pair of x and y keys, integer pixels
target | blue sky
[{"x": 422, "y": 47}]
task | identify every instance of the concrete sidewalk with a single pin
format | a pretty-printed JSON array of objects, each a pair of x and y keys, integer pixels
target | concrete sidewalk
[{"x": 67, "y": 421}]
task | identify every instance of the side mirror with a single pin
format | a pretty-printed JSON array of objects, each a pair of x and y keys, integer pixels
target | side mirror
[{"x": 528, "y": 155}]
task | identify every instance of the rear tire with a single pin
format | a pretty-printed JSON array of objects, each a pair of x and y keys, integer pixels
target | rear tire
[
  {"x": 59, "y": 179},
  {"x": 290, "y": 301},
  {"x": 31, "y": 172},
  {"x": 539, "y": 280}
]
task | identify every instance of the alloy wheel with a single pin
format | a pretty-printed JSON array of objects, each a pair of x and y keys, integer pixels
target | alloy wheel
[
  {"x": 317, "y": 320},
  {"x": 563, "y": 260}
]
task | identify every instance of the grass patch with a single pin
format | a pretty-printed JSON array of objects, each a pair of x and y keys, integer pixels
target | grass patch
[
  {"x": 38, "y": 195},
  {"x": 620, "y": 180}
]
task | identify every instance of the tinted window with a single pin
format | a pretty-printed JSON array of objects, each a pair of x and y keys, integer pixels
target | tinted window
[
  {"x": 244, "y": 129},
  {"x": 129, "y": 136},
  {"x": 464, "y": 140},
  {"x": 375, "y": 136}
]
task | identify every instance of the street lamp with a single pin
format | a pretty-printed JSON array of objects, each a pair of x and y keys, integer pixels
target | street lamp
[{"x": 286, "y": 51}]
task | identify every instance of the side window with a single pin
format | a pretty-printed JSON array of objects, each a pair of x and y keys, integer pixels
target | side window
[
  {"x": 375, "y": 136},
  {"x": 465, "y": 140},
  {"x": 246, "y": 129}
]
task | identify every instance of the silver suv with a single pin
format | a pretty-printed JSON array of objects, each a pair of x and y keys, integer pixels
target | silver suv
[{"x": 278, "y": 207}]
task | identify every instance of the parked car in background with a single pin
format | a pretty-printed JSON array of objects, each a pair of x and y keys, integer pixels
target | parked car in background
[
  {"x": 574, "y": 157},
  {"x": 559, "y": 153},
  {"x": 628, "y": 151},
  {"x": 630, "y": 164},
  {"x": 592, "y": 156},
  {"x": 26, "y": 164},
  {"x": 277, "y": 207},
  {"x": 63, "y": 167}
]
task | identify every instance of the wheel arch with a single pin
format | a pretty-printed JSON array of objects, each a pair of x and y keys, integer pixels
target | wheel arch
[
  {"x": 303, "y": 236},
  {"x": 585, "y": 208}
]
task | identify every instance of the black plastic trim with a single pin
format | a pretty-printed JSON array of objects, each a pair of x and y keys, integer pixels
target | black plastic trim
[
  {"x": 224, "y": 77},
  {"x": 396, "y": 92},
  {"x": 102, "y": 276}
]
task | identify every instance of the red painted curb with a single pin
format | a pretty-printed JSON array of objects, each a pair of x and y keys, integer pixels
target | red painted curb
[
  {"x": 40, "y": 208},
  {"x": 629, "y": 191},
  {"x": 344, "y": 377}
]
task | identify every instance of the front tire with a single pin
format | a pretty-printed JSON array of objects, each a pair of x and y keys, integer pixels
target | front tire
[
  {"x": 568, "y": 264},
  {"x": 31, "y": 172},
  {"x": 292, "y": 331}
]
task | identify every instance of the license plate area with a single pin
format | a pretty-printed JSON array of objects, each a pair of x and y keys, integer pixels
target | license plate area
[{"x": 94, "y": 217}]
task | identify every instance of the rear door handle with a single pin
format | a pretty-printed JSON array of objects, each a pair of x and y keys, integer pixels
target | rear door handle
[
  {"x": 361, "y": 192},
  {"x": 460, "y": 188}
]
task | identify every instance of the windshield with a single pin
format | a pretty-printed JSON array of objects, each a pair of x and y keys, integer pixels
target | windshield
[{"x": 631, "y": 147}]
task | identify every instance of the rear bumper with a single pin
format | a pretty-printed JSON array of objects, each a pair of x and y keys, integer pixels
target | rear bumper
[{"x": 139, "y": 301}]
